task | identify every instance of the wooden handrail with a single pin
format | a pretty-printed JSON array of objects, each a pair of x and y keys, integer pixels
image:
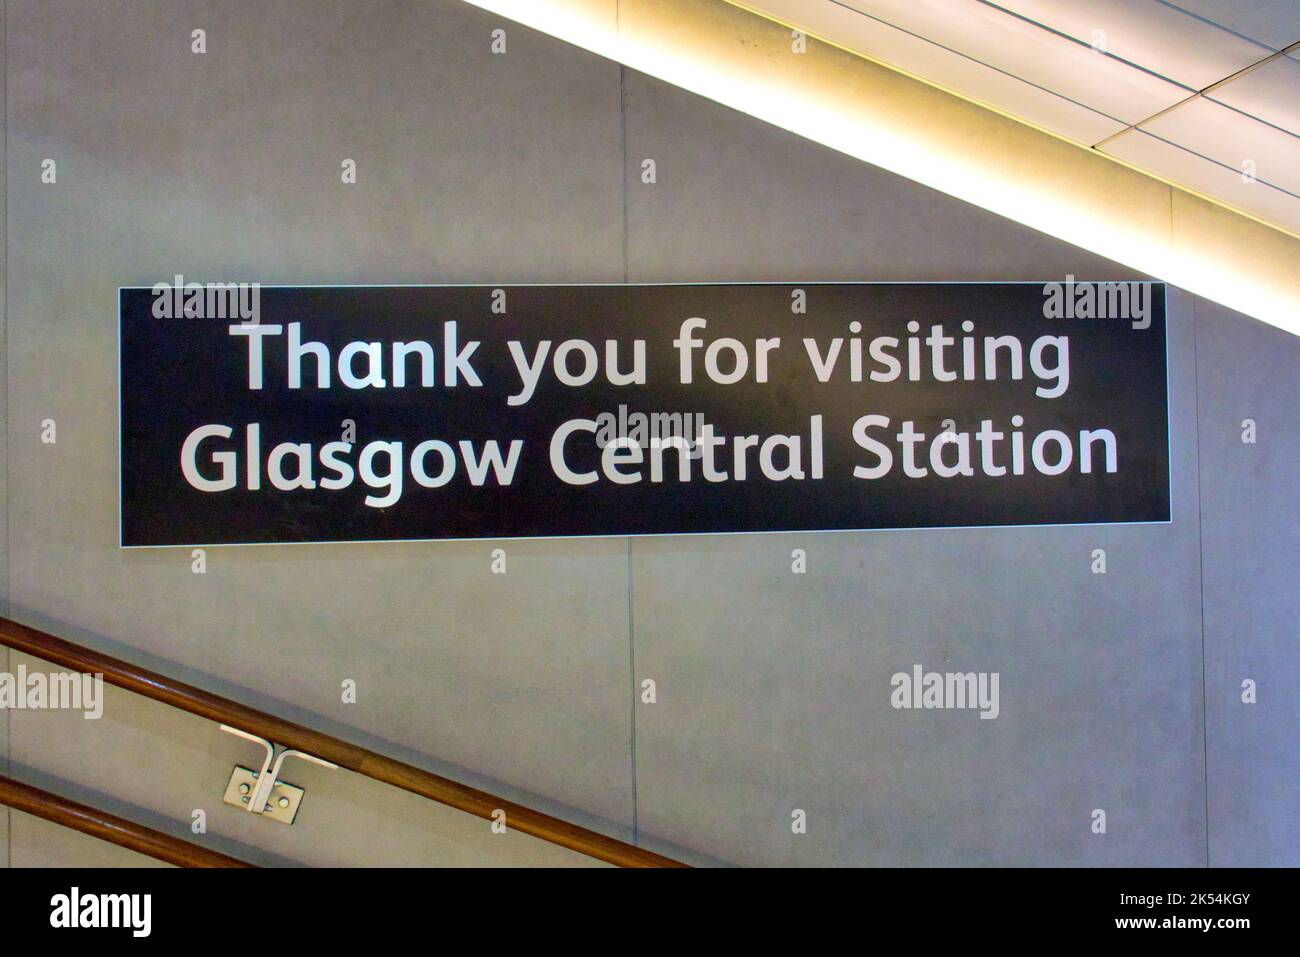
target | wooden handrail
[
  {"x": 372, "y": 764},
  {"x": 110, "y": 827}
]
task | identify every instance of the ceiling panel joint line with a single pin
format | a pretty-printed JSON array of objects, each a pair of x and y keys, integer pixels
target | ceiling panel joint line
[
  {"x": 1083, "y": 43},
  {"x": 1213, "y": 23},
  {"x": 1201, "y": 93},
  {"x": 955, "y": 52}
]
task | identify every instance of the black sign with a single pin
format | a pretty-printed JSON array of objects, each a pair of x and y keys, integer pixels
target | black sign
[{"x": 352, "y": 413}]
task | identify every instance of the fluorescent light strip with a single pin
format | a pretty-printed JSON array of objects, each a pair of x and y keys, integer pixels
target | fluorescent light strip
[{"x": 814, "y": 112}]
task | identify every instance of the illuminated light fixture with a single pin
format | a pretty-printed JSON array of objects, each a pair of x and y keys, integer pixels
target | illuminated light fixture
[{"x": 1256, "y": 271}]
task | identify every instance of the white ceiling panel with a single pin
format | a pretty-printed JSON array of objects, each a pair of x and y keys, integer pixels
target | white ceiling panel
[
  {"x": 1232, "y": 138},
  {"x": 1274, "y": 23},
  {"x": 1034, "y": 59},
  {"x": 1153, "y": 35},
  {"x": 1271, "y": 93},
  {"x": 1008, "y": 43},
  {"x": 935, "y": 64},
  {"x": 1188, "y": 169}
]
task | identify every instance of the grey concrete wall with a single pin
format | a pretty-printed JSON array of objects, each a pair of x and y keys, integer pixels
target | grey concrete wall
[
  {"x": 4, "y": 426},
  {"x": 1251, "y": 556},
  {"x": 773, "y": 688}
]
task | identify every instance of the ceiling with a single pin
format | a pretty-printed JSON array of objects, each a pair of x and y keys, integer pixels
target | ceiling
[{"x": 1201, "y": 93}]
